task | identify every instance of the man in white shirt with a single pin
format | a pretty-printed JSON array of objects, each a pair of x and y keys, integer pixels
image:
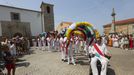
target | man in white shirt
[
  {"x": 12, "y": 49},
  {"x": 48, "y": 43},
  {"x": 62, "y": 47},
  {"x": 122, "y": 42},
  {"x": 98, "y": 52},
  {"x": 77, "y": 43},
  {"x": 64, "y": 53},
  {"x": 71, "y": 52},
  {"x": 39, "y": 43},
  {"x": 34, "y": 41},
  {"x": 43, "y": 42}
]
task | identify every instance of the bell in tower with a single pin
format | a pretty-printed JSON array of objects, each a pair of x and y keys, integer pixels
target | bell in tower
[{"x": 47, "y": 17}]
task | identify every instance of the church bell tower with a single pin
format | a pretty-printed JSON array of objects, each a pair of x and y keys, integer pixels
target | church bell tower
[{"x": 47, "y": 17}]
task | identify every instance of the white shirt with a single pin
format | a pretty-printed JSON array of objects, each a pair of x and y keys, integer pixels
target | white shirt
[
  {"x": 102, "y": 48},
  {"x": 48, "y": 41},
  {"x": 61, "y": 41},
  {"x": 42, "y": 38},
  {"x": 122, "y": 40},
  {"x": 12, "y": 49},
  {"x": 64, "y": 41},
  {"x": 104, "y": 40}
]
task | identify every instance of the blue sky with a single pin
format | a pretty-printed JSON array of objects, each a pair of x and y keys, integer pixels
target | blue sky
[{"x": 97, "y": 12}]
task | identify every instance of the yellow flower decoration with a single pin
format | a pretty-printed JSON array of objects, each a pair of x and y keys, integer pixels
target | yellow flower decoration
[
  {"x": 68, "y": 32},
  {"x": 84, "y": 23},
  {"x": 97, "y": 35}
]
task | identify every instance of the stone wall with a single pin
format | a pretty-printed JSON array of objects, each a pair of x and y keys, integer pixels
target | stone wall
[{"x": 9, "y": 28}]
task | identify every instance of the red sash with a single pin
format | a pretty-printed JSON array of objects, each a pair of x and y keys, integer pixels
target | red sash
[{"x": 98, "y": 50}]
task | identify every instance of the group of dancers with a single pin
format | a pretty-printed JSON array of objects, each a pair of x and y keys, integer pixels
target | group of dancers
[
  {"x": 68, "y": 48},
  {"x": 97, "y": 50}
]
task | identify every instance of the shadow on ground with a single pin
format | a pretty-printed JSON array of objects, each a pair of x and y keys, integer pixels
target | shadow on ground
[
  {"x": 83, "y": 62},
  {"x": 82, "y": 58},
  {"x": 25, "y": 64},
  {"x": 110, "y": 71},
  {"x": 26, "y": 53},
  {"x": 20, "y": 60}
]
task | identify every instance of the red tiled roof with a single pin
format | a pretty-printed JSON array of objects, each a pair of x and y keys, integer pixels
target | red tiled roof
[{"x": 121, "y": 22}]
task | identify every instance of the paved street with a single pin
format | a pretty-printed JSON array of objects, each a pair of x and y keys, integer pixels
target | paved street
[
  {"x": 49, "y": 63},
  {"x": 122, "y": 61}
]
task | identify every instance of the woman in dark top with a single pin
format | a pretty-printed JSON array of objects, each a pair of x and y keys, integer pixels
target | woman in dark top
[{"x": 9, "y": 63}]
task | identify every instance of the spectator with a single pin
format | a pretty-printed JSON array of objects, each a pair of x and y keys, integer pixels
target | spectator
[
  {"x": 130, "y": 42},
  {"x": 12, "y": 49},
  {"x": 9, "y": 62},
  {"x": 110, "y": 42},
  {"x": 126, "y": 43},
  {"x": 115, "y": 42}
]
